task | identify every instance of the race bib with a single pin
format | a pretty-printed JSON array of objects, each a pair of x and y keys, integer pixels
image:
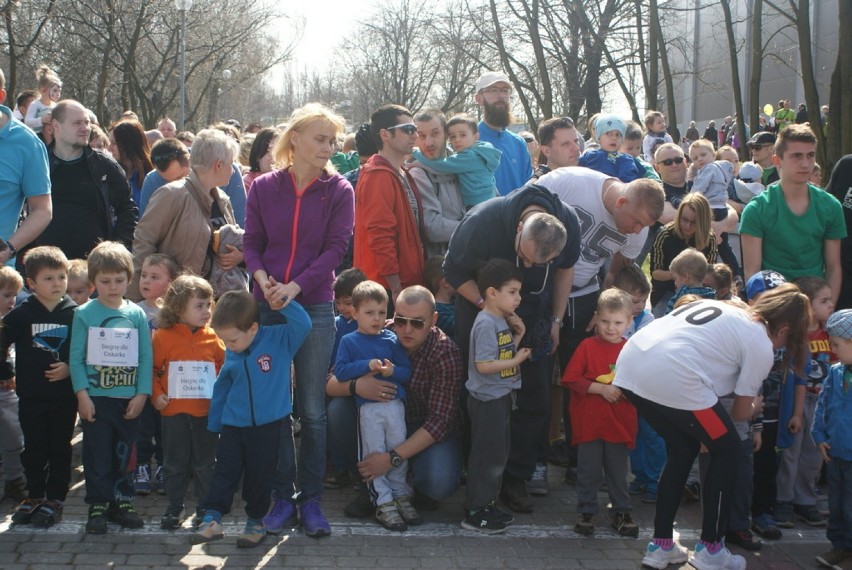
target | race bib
[
  {"x": 191, "y": 379},
  {"x": 113, "y": 347}
]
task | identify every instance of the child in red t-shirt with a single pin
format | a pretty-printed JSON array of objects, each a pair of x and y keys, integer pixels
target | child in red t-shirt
[{"x": 603, "y": 422}]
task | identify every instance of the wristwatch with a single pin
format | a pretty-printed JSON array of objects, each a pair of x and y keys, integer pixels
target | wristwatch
[
  {"x": 395, "y": 459},
  {"x": 13, "y": 251}
]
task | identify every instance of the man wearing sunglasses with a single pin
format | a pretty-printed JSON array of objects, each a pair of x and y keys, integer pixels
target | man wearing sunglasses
[
  {"x": 494, "y": 94},
  {"x": 762, "y": 149},
  {"x": 432, "y": 414},
  {"x": 388, "y": 211},
  {"x": 540, "y": 234}
]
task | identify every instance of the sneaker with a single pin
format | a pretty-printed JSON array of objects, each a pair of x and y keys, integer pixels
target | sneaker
[
  {"x": 97, "y": 523},
  {"x": 692, "y": 491},
  {"x": 124, "y": 514},
  {"x": 537, "y": 485},
  {"x": 649, "y": 497},
  {"x": 501, "y": 515},
  {"x": 48, "y": 514},
  {"x": 26, "y": 510},
  {"x": 282, "y": 514},
  {"x": 809, "y": 515},
  {"x": 624, "y": 525},
  {"x": 559, "y": 454},
  {"x": 744, "y": 539},
  {"x": 833, "y": 557},
  {"x": 658, "y": 557},
  {"x": 361, "y": 507},
  {"x": 209, "y": 530},
  {"x": 764, "y": 526},
  {"x": 252, "y": 535},
  {"x": 571, "y": 476},
  {"x": 388, "y": 517},
  {"x": 171, "y": 520},
  {"x": 484, "y": 520},
  {"x": 585, "y": 525},
  {"x": 722, "y": 560},
  {"x": 16, "y": 489},
  {"x": 822, "y": 505},
  {"x": 783, "y": 515},
  {"x": 407, "y": 511},
  {"x": 637, "y": 487},
  {"x": 142, "y": 479},
  {"x": 198, "y": 518},
  {"x": 514, "y": 493},
  {"x": 159, "y": 476},
  {"x": 313, "y": 521},
  {"x": 337, "y": 480}
]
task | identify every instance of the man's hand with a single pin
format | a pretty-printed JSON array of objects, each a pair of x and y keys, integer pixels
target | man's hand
[
  {"x": 756, "y": 441},
  {"x": 374, "y": 465},
  {"x": 230, "y": 259},
  {"x": 375, "y": 390},
  {"x": 795, "y": 424},
  {"x": 58, "y": 371}
]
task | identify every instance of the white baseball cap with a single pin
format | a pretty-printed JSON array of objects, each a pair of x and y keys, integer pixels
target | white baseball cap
[{"x": 490, "y": 78}]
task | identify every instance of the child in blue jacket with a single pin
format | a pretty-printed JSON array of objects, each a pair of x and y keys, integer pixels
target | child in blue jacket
[{"x": 250, "y": 399}]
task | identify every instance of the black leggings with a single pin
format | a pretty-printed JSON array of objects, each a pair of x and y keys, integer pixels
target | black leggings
[{"x": 684, "y": 432}]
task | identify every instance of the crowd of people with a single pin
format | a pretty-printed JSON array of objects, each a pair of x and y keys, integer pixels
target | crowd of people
[{"x": 430, "y": 300}]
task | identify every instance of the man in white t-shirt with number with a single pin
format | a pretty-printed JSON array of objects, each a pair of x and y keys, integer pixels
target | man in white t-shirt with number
[{"x": 674, "y": 371}]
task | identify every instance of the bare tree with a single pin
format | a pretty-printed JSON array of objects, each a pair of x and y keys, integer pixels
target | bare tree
[
  {"x": 22, "y": 29},
  {"x": 733, "y": 48},
  {"x": 840, "y": 107}
]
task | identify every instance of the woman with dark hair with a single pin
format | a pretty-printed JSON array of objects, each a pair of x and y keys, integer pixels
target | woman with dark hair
[
  {"x": 840, "y": 186},
  {"x": 129, "y": 146},
  {"x": 690, "y": 228},
  {"x": 260, "y": 157}
]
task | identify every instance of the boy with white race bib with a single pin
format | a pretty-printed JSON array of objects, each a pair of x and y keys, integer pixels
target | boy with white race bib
[{"x": 187, "y": 358}]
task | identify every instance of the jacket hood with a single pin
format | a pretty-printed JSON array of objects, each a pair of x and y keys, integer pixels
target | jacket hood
[{"x": 489, "y": 155}]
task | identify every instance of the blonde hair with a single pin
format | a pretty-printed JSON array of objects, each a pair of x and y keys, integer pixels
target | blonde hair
[
  {"x": 703, "y": 143},
  {"x": 283, "y": 153},
  {"x": 703, "y": 231},
  {"x": 110, "y": 257},
  {"x": 181, "y": 291},
  {"x": 78, "y": 269},
  {"x": 10, "y": 278},
  {"x": 614, "y": 300},
  {"x": 690, "y": 263},
  {"x": 46, "y": 78}
]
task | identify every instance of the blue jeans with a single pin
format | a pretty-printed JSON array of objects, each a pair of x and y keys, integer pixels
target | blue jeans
[
  {"x": 839, "y": 530},
  {"x": 311, "y": 368},
  {"x": 436, "y": 471},
  {"x": 649, "y": 456}
]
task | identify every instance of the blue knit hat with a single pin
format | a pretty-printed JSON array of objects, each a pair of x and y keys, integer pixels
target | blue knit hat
[
  {"x": 839, "y": 324},
  {"x": 606, "y": 123}
]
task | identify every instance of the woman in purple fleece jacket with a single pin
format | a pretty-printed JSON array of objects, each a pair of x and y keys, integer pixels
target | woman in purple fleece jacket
[{"x": 299, "y": 220}]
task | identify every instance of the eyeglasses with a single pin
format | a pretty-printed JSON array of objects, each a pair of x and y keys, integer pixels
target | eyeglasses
[
  {"x": 407, "y": 128},
  {"x": 416, "y": 324},
  {"x": 504, "y": 91},
  {"x": 670, "y": 161}
]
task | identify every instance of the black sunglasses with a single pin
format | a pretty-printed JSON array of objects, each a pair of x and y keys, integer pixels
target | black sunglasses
[
  {"x": 404, "y": 321},
  {"x": 670, "y": 161},
  {"x": 407, "y": 128}
]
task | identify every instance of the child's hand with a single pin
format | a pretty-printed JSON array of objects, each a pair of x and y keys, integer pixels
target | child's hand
[
  {"x": 8, "y": 385},
  {"x": 516, "y": 325},
  {"x": 610, "y": 393},
  {"x": 85, "y": 406},
  {"x": 375, "y": 365},
  {"x": 134, "y": 406},
  {"x": 58, "y": 371},
  {"x": 756, "y": 441},
  {"x": 823, "y": 449},
  {"x": 523, "y": 354},
  {"x": 160, "y": 402},
  {"x": 757, "y": 405},
  {"x": 387, "y": 368},
  {"x": 795, "y": 424}
]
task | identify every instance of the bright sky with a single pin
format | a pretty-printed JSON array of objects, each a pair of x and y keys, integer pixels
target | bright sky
[{"x": 326, "y": 23}]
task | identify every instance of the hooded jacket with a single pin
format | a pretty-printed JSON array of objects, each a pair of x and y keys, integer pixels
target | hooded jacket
[
  {"x": 41, "y": 338},
  {"x": 387, "y": 234},
  {"x": 475, "y": 168}
]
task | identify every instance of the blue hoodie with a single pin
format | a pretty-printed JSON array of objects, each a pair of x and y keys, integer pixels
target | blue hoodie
[
  {"x": 475, "y": 168},
  {"x": 833, "y": 412},
  {"x": 253, "y": 387}
]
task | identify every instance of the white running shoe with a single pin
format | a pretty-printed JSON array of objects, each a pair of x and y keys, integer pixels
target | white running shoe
[{"x": 658, "y": 557}]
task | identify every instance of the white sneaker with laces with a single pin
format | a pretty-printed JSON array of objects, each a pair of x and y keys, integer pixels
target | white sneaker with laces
[
  {"x": 537, "y": 485},
  {"x": 722, "y": 560},
  {"x": 658, "y": 557}
]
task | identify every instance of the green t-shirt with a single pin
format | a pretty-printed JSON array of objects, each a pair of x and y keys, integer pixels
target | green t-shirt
[{"x": 793, "y": 245}]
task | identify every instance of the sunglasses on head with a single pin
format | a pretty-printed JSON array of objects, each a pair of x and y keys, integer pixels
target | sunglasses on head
[
  {"x": 405, "y": 321},
  {"x": 407, "y": 128},
  {"x": 670, "y": 161}
]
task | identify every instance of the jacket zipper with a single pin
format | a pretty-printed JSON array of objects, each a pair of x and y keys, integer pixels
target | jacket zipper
[
  {"x": 250, "y": 393},
  {"x": 294, "y": 237}
]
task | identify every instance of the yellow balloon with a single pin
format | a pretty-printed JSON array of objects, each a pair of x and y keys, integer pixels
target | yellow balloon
[{"x": 768, "y": 109}]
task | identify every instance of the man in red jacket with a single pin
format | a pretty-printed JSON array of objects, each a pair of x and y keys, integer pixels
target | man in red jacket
[{"x": 388, "y": 212}]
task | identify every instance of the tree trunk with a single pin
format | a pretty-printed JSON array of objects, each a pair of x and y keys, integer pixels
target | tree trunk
[
  {"x": 671, "y": 107},
  {"x": 803, "y": 29},
  {"x": 840, "y": 105},
  {"x": 756, "y": 65},
  {"x": 652, "y": 84},
  {"x": 735, "y": 76}
]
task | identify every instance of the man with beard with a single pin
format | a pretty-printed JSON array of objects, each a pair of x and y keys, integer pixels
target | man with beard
[
  {"x": 442, "y": 202},
  {"x": 493, "y": 94}
]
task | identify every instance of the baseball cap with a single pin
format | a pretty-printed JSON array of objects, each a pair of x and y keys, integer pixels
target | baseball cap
[
  {"x": 750, "y": 172},
  {"x": 761, "y": 139},
  {"x": 840, "y": 324},
  {"x": 607, "y": 123},
  {"x": 765, "y": 280},
  {"x": 490, "y": 78}
]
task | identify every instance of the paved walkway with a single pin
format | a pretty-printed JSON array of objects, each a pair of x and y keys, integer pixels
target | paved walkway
[{"x": 540, "y": 540}]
